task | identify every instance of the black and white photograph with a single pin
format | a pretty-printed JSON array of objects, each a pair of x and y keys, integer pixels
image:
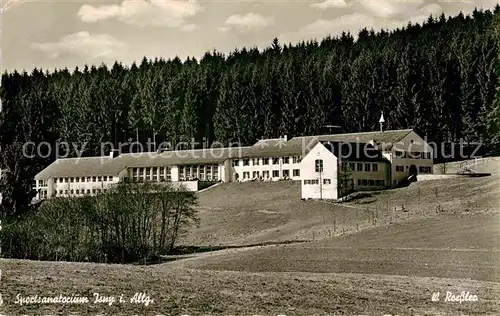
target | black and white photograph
[{"x": 253, "y": 157}]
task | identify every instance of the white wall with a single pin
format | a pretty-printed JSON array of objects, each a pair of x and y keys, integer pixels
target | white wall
[
  {"x": 308, "y": 172},
  {"x": 411, "y": 143},
  {"x": 262, "y": 170},
  {"x": 65, "y": 188}
]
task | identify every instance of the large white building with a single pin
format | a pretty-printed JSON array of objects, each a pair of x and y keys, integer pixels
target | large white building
[{"x": 323, "y": 164}]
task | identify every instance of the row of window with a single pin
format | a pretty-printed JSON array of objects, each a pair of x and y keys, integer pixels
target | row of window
[
  {"x": 200, "y": 172},
  {"x": 370, "y": 182},
  {"x": 81, "y": 179},
  {"x": 421, "y": 169},
  {"x": 359, "y": 166},
  {"x": 367, "y": 167},
  {"x": 316, "y": 181},
  {"x": 275, "y": 174},
  {"x": 425, "y": 169},
  {"x": 413, "y": 155},
  {"x": 80, "y": 192},
  {"x": 265, "y": 161},
  {"x": 154, "y": 174}
]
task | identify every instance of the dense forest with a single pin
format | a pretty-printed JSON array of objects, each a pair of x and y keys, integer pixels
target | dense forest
[{"x": 439, "y": 78}]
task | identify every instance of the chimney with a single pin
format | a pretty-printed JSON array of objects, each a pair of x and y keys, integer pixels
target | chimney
[{"x": 114, "y": 153}]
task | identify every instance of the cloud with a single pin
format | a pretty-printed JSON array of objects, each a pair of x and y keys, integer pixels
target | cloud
[
  {"x": 327, "y": 4},
  {"x": 159, "y": 13},
  {"x": 224, "y": 29},
  {"x": 432, "y": 9},
  {"x": 350, "y": 22},
  {"x": 390, "y": 8},
  {"x": 84, "y": 44},
  {"x": 250, "y": 21},
  {"x": 9, "y": 4}
]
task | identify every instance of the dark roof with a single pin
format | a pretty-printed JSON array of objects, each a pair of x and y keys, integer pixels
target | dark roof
[
  {"x": 297, "y": 146},
  {"x": 353, "y": 151},
  {"x": 385, "y": 139}
]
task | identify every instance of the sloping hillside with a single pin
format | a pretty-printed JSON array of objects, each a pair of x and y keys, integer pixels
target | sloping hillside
[{"x": 258, "y": 212}]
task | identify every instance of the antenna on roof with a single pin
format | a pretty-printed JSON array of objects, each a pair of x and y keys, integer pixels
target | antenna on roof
[{"x": 381, "y": 121}]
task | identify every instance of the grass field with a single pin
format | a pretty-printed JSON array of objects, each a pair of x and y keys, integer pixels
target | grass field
[
  {"x": 418, "y": 248},
  {"x": 368, "y": 257},
  {"x": 256, "y": 212},
  {"x": 181, "y": 291}
]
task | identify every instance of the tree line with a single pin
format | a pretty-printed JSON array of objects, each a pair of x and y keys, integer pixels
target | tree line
[{"x": 438, "y": 77}]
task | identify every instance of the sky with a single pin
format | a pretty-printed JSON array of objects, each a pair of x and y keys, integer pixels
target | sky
[{"x": 69, "y": 33}]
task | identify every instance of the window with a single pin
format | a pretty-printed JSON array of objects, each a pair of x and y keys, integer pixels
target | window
[
  {"x": 327, "y": 181},
  {"x": 425, "y": 169},
  {"x": 71, "y": 179},
  {"x": 60, "y": 191},
  {"x": 360, "y": 166},
  {"x": 359, "y": 181},
  {"x": 265, "y": 161},
  {"x": 367, "y": 167},
  {"x": 93, "y": 191},
  {"x": 375, "y": 167},
  {"x": 110, "y": 178},
  {"x": 215, "y": 169},
  {"x": 296, "y": 172},
  {"x": 246, "y": 175},
  {"x": 72, "y": 192},
  {"x": 286, "y": 173},
  {"x": 255, "y": 174},
  {"x": 371, "y": 182},
  {"x": 276, "y": 173},
  {"x": 286, "y": 160},
  {"x": 296, "y": 159},
  {"x": 169, "y": 173},
  {"x": 276, "y": 161},
  {"x": 365, "y": 182},
  {"x": 428, "y": 155},
  {"x": 265, "y": 174},
  {"x": 105, "y": 178},
  {"x": 318, "y": 165},
  {"x": 236, "y": 163},
  {"x": 94, "y": 179},
  {"x": 55, "y": 180},
  {"x": 88, "y": 179},
  {"x": 316, "y": 181},
  {"x": 88, "y": 191},
  {"x": 77, "y": 191},
  {"x": 77, "y": 179},
  {"x": 400, "y": 169},
  {"x": 399, "y": 154},
  {"x": 255, "y": 161},
  {"x": 66, "y": 192},
  {"x": 99, "y": 179},
  {"x": 246, "y": 162}
]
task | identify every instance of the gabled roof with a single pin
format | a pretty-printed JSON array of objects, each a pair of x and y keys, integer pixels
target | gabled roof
[
  {"x": 385, "y": 139},
  {"x": 80, "y": 167},
  {"x": 297, "y": 146},
  {"x": 354, "y": 151}
]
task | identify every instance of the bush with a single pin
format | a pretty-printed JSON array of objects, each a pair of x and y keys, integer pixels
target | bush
[{"x": 130, "y": 222}]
